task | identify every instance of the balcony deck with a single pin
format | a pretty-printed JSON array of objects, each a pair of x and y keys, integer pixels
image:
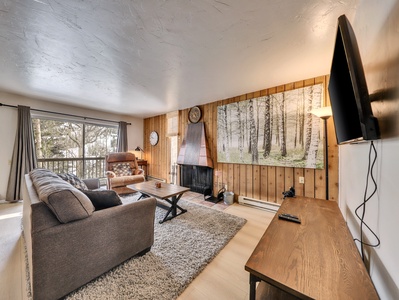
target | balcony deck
[{"x": 88, "y": 167}]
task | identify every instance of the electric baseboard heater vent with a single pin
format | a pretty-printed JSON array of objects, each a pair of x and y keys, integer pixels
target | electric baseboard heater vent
[{"x": 270, "y": 206}]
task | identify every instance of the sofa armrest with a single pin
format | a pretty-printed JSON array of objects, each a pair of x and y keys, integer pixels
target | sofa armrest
[
  {"x": 92, "y": 183},
  {"x": 139, "y": 172},
  {"x": 102, "y": 241},
  {"x": 110, "y": 174}
]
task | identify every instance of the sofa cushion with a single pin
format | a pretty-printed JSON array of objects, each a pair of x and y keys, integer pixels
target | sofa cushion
[
  {"x": 74, "y": 180},
  {"x": 65, "y": 201},
  {"x": 103, "y": 199},
  {"x": 92, "y": 183},
  {"x": 122, "y": 169}
]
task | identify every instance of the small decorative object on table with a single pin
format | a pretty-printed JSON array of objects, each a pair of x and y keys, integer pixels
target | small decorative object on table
[
  {"x": 158, "y": 185},
  {"x": 289, "y": 193}
]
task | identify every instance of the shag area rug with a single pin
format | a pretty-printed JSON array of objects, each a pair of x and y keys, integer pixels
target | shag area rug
[{"x": 182, "y": 248}]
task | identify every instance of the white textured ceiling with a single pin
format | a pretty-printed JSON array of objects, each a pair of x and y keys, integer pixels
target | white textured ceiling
[{"x": 148, "y": 57}]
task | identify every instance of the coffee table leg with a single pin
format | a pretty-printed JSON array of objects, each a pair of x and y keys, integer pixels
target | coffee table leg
[
  {"x": 175, "y": 199},
  {"x": 252, "y": 286},
  {"x": 174, "y": 206},
  {"x": 143, "y": 196},
  {"x": 173, "y": 209},
  {"x": 166, "y": 218}
]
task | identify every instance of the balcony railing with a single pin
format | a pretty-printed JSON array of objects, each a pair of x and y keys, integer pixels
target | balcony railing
[{"x": 89, "y": 167}]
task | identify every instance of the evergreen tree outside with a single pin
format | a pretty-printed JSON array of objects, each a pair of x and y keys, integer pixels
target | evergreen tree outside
[{"x": 72, "y": 147}]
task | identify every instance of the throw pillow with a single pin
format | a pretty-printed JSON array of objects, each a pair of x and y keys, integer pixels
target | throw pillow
[
  {"x": 103, "y": 199},
  {"x": 74, "y": 181},
  {"x": 70, "y": 205},
  {"x": 122, "y": 169},
  {"x": 65, "y": 201}
]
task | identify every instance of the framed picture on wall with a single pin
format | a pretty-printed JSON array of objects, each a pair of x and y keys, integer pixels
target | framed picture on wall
[{"x": 275, "y": 130}]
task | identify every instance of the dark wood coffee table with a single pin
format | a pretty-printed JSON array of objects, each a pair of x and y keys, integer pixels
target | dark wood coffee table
[{"x": 171, "y": 193}]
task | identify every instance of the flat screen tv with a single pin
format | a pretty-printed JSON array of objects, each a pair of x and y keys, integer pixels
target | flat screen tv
[{"x": 350, "y": 102}]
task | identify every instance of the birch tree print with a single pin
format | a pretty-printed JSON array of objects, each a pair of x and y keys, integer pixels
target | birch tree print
[
  {"x": 282, "y": 129},
  {"x": 224, "y": 137},
  {"x": 267, "y": 137},
  {"x": 315, "y": 130},
  {"x": 276, "y": 130},
  {"x": 240, "y": 133},
  {"x": 253, "y": 133},
  {"x": 308, "y": 132}
]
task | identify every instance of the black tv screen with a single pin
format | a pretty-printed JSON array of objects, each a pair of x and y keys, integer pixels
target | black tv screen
[{"x": 350, "y": 102}]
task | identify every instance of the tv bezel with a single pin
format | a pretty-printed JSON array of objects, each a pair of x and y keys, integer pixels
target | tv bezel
[{"x": 349, "y": 97}]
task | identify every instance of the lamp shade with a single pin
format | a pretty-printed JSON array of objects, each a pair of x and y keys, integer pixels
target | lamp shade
[
  {"x": 138, "y": 148},
  {"x": 139, "y": 152}
]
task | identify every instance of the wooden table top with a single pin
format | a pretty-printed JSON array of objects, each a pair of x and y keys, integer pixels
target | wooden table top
[
  {"x": 165, "y": 191},
  {"x": 316, "y": 259}
]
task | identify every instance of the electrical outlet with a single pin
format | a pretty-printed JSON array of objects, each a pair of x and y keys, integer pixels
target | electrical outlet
[{"x": 301, "y": 179}]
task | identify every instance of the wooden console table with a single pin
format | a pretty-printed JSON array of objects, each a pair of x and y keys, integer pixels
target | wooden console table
[{"x": 316, "y": 259}]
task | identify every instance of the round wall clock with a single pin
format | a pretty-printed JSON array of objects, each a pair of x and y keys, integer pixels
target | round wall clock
[
  {"x": 154, "y": 138},
  {"x": 194, "y": 115}
]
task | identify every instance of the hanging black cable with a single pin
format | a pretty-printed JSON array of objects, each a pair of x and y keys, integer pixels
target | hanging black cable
[
  {"x": 66, "y": 115},
  {"x": 365, "y": 200}
]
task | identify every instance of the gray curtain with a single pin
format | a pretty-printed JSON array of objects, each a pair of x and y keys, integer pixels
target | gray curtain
[
  {"x": 122, "y": 137},
  {"x": 24, "y": 155}
]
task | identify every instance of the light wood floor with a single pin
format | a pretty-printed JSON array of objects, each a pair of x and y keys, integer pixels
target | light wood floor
[{"x": 223, "y": 278}]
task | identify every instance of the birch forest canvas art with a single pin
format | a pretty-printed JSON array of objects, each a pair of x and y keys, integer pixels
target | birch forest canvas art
[{"x": 275, "y": 130}]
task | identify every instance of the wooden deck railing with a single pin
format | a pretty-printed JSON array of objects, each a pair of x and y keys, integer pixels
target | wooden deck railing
[{"x": 89, "y": 167}]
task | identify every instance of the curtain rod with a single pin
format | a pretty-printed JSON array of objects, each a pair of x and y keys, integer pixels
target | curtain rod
[{"x": 62, "y": 114}]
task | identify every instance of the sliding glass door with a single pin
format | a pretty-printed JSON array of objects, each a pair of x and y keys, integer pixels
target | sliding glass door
[{"x": 74, "y": 147}]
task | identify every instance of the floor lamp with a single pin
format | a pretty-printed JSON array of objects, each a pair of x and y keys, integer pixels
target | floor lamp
[{"x": 324, "y": 113}]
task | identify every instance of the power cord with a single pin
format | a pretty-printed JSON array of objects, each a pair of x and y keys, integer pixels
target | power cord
[{"x": 365, "y": 200}]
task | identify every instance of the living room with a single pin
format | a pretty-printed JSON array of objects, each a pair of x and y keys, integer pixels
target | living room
[{"x": 375, "y": 25}]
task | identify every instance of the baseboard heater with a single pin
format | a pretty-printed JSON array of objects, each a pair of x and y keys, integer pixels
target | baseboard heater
[{"x": 262, "y": 204}]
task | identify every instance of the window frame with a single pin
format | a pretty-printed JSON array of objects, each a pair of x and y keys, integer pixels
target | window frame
[{"x": 84, "y": 123}]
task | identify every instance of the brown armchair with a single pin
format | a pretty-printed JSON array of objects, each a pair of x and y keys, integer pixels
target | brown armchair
[{"x": 121, "y": 170}]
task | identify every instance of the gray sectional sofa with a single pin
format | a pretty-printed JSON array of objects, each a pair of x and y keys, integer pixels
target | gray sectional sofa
[{"x": 69, "y": 242}]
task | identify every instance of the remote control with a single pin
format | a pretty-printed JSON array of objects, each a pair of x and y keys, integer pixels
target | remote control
[
  {"x": 287, "y": 218},
  {"x": 291, "y": 216}
]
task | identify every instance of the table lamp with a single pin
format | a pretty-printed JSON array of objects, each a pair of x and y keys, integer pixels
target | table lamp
[{"x": 140, "y": 150}]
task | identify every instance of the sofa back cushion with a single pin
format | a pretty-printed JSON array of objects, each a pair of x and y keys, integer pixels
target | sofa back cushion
[
  {"x": 74, "y": 180},
  {"x": 65, "y": 201}
]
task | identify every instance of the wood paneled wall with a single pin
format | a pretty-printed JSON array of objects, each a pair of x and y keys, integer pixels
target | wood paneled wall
[{"x": 255, "y": 181}]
